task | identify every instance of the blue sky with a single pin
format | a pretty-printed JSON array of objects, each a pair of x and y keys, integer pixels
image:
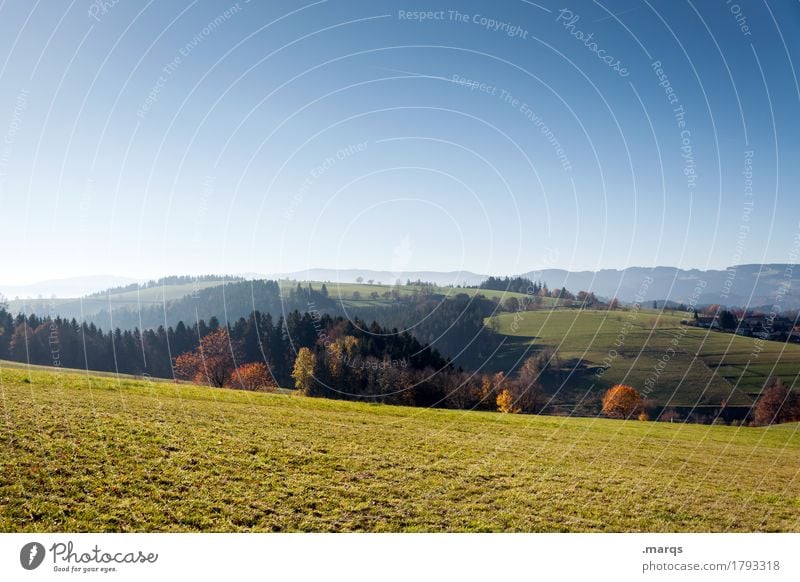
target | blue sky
[{"x": 212, "y": 137}]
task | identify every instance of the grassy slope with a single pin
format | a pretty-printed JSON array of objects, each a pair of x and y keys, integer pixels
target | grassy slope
[
  {"x": 91, "y": 453},
  {"x": 344, "y": 292},
  {"x": 720, "y": 370}
]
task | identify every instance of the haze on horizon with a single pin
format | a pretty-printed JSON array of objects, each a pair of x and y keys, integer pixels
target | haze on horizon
[{"x": 145, "y": 141}]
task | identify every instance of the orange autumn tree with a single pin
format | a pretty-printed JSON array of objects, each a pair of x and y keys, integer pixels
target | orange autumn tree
[
  {"x": 622, "y": 401},
  {"x": 212, "y": 362},
  {"x": 254, "y": 376}
]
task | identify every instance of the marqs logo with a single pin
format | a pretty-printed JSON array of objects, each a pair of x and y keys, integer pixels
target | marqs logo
[{"x": 31, "y": 555}]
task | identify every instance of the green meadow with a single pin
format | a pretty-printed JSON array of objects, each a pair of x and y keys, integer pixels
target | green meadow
[
  {"x": 344, "y": 292},
  {"x": 687, "y": 366},
  {"x": 82, "y": 452}
]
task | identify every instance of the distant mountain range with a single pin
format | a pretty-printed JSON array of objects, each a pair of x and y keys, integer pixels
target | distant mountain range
[
  {"x": 69, "y": 287},
  {"x": 739, "y": 286},
  {"x": 752, "y": 285},
  {"x": 442, "y": 278},
  {"x": 743, "y": 285}
]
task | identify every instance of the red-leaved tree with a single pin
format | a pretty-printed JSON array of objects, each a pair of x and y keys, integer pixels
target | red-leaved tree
[
  {"x": 253, "y": 376},
  {"x": 212, "y": 362},
  {"x": 777, "y": 404}
]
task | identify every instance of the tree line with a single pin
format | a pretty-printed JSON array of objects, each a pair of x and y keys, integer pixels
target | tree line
[
  {"x": 259, "y": 337},
  {"x": 319, "y": 355},
  {"x": 454, "y": 326}
]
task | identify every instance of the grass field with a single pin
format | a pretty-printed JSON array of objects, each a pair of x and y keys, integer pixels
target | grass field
[
  {"x": 90, "y": 453},
  {"x": 344, "y": 292},
  {"x": 705, "y": 367}
]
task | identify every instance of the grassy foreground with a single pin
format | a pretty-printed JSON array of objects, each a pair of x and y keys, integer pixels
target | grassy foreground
[{"x": 90, "y": 453}]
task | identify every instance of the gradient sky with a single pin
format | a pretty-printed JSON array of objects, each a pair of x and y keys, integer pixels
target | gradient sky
[{"x": 212, "y": 137}]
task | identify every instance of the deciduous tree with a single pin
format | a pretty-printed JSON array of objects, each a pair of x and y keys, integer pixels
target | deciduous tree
[
  {"x": 530, "y": 381},
  {"x": 777, "y": 404},
  {"x": 622, "y": 401},
  {"x": 212, "y": 362},
  {"x": 303, "y": 372},
  {"x": 511, "y": 304}
]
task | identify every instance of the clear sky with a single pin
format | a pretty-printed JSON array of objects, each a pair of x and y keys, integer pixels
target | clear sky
[{"x": 145, "y": 139}]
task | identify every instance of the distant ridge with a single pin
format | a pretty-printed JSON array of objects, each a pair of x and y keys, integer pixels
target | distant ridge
[
  {"x": 443, "y": 278},
  {"x": 737, "y": 286},
  {"x": 741, "y": 285},
  {"x": 750, "y": 285},
  {"x": 68, "y": 287}
]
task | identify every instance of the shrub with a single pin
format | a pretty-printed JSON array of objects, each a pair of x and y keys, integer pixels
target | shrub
[
  {"x": 669, "y": 415},
  {"x": 506, "y": 403},
  {"x": 254, "y": 376}
]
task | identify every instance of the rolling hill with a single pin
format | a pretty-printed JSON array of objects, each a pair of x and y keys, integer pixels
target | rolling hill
[
  {"x": 686, "y": 366},
  {"x": 737, "y": 285},
  {"x": 88, "y": 453},
  {"x": 96, "y": 306},
  {"x": 166, "y": 304}
]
